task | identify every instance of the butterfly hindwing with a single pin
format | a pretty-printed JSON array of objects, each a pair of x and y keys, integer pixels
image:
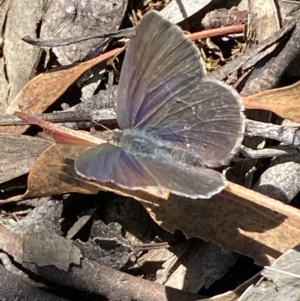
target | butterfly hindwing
[
  {"x": 109, "y": 163},
  {"x": 187, "y": 181},
  {"x": 209, "y": 120}
]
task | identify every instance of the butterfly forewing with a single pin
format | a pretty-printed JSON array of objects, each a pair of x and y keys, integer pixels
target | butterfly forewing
[
  {"x": 159, "y": 62},
  {"x": 109, "y": 163}
]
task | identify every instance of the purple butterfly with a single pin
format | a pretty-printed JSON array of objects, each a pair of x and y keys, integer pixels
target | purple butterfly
[{"x": 176, "y": 123}]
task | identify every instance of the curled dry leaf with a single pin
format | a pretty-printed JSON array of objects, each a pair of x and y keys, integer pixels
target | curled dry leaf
[
  {"x": 43, "y": 90},
  {"x": 61, "y": 134},
  {"x": 282, "y": 101},
  {"x": 53, "y": 174}
]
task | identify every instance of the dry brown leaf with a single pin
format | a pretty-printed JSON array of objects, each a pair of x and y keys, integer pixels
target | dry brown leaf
[
  {"x": 239, "y": 219},
  {"x": 61, "y": 134},
  {"x": 43, "y": 90},
  {"x": 245, "y": 225},
  {"x": 282, "y": 101},
  {"x": 18, "y": 59},
  {"x": 53, "y": 173}
]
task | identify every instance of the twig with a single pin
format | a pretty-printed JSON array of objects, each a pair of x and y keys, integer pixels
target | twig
[
  {"x": 270, "y": 76},
  {"x": 215, "y": 32},
  {"x": 275, "y": 151},
  {"x": 289, "y": 135},
  {"x": 234, "y": 65},
  {"x": 95, "y": 278}
]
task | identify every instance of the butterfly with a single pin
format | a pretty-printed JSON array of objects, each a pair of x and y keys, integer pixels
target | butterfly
[{"x": 176, "y": 125}]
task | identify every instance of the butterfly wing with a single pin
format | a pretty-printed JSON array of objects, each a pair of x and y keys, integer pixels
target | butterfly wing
[
  {"x": 209, "y": 120},
  {"x": 158, "y": 59},
  {"x": 109, "y": 163},
  {"x": 163, "y": 90},
  {"x": 187, "y": 181}
]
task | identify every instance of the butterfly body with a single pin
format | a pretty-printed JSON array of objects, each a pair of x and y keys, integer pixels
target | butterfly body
[{"x": 143, "y": 145}]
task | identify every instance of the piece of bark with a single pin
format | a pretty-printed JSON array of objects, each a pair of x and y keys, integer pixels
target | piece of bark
[
  {"x": 18, "y": 60},
  {"x": 13, "y": 287},
  {"x": 192, "y": 267},
  {"x": 263, "y": 20},
  {"x": 43, "y": 248},
  {"x": 107, "y": 246},
  {"x": 94, "y": 278},
  {"x": 248, "y": 55},
  {"x": 278, "y": 282},
  {"x": 287, "y": 134},
  {"x": 224, "y": 17},
  {"x": 108, "y": 252},
  {"x": 270, "y": 76},
  {"x": 46, "y": 216},
  {"x": 18, "y": 153},
  {"x": 73, "y": 18}
]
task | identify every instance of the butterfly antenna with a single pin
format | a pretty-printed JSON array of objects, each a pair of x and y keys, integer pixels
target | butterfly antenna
[{"x": 101, "y": 125}]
